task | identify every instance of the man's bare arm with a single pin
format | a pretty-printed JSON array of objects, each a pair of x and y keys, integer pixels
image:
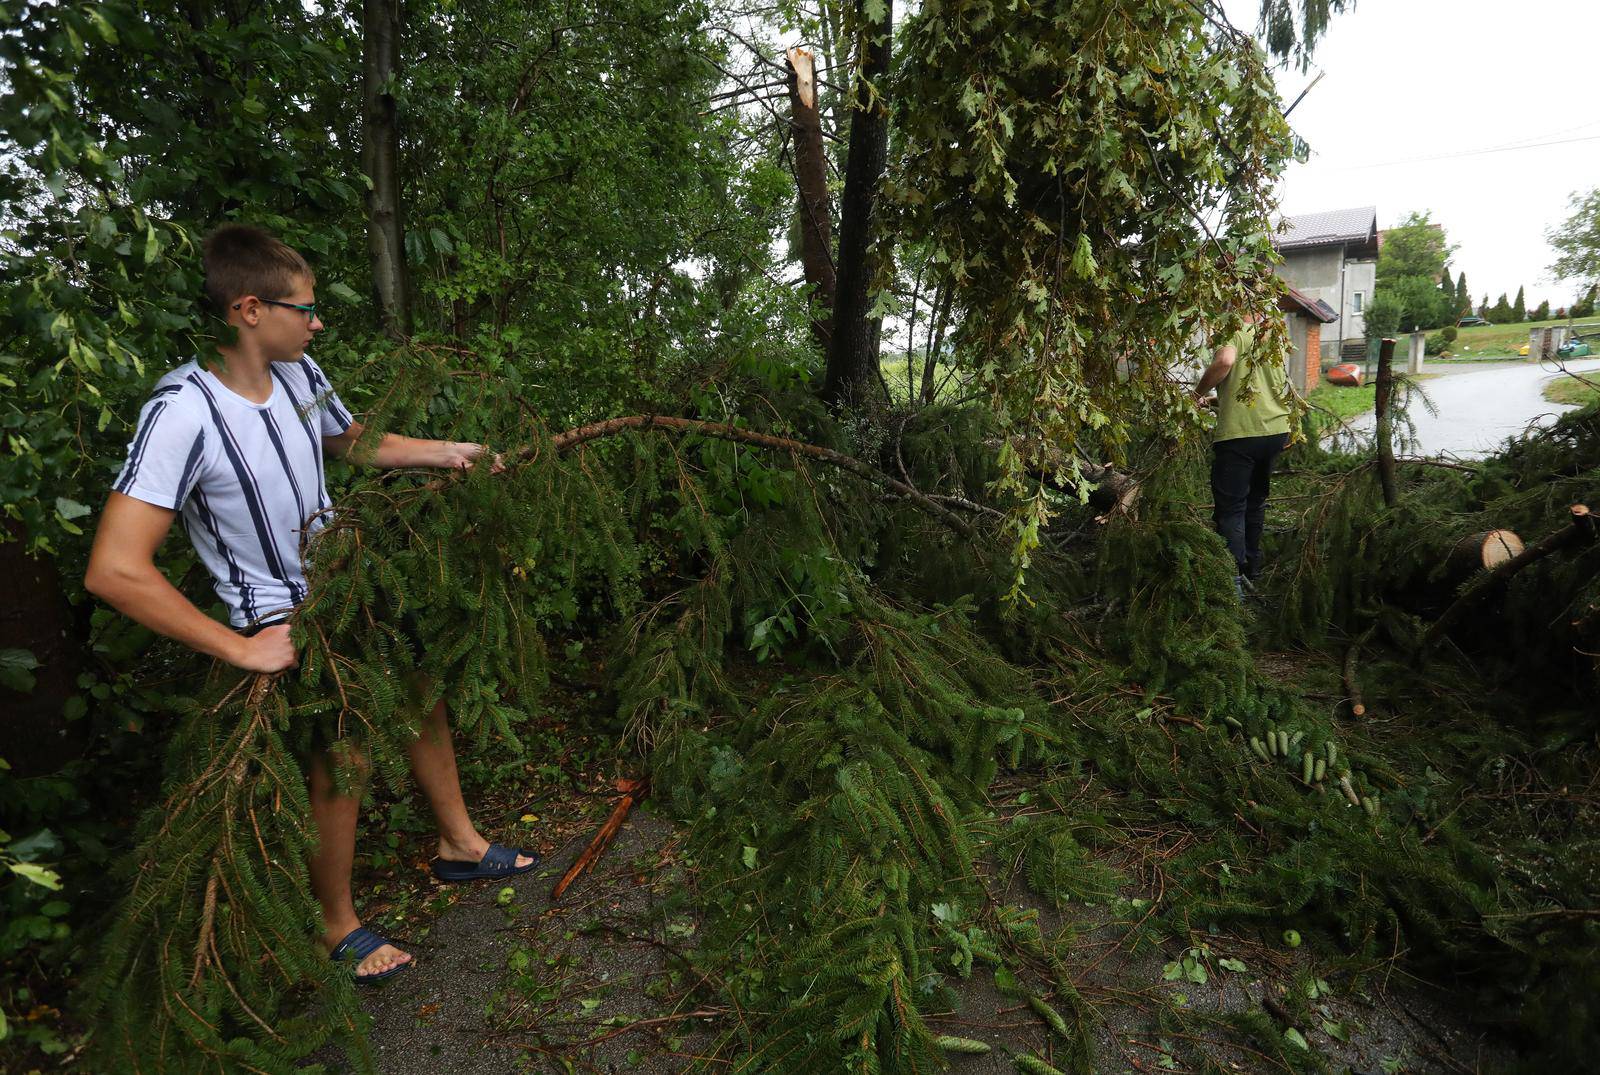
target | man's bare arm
[
  {"x": 395, "y": 450},
  {"x": 122, "y": 572},
  {"x": 1220, "y": 367}
]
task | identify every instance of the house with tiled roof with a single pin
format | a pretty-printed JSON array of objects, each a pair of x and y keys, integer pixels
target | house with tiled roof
[{"x": 1333, "y": 258}]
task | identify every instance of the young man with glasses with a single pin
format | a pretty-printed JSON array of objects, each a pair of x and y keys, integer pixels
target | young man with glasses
[{"x": 236, "y": 447}]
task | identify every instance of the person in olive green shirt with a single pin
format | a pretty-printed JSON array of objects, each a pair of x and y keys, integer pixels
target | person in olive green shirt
[{"x": 1249, "y": 436}]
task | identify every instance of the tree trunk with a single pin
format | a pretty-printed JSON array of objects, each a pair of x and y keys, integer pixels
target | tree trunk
[
  {"x": 380, "y": 159},
  {"x": 1480, "y": 552},
  {"x": 853, "y": 378},
  {"x": 35, "y": 735},
  {"x": 811, "y": 182},
  {"x": 1581, "y": 530},
  {"x": 1384, "y": 394}
]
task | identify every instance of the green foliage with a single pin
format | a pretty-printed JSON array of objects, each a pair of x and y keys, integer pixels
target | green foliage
[
  {"x": 1027, "y": 208},
  {"x": 1577, "y": 240},
  {"x": 1407, "y": 297}
]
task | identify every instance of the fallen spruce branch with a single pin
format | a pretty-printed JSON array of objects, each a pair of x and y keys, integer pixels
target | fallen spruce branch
[
  {"x": 1352, "y": 685},
  {"x": 1580, "y": 529},
  {"x": 572, "y": 438}
]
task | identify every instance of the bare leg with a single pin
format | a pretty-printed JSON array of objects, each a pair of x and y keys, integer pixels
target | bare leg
[
  {"x": 335, "y": 816},
  {"x": 433, "y": 764}
]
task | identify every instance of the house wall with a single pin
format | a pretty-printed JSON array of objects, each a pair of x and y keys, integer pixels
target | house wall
[
  {"x": 1359, "y": 275},
  {"x": 1305, "y": 354},
  {"x": 1316, "y": 273},
  {"x": 1297, "y": 351},
  {"x": 1322, "y": 272},
  {"x": 1313, "y": 363}
]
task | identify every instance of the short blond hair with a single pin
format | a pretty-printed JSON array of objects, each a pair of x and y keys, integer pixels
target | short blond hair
[{"x": 242, "y": 259}]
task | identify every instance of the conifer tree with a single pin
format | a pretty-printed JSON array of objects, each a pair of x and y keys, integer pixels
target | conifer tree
[
  {"x": 1542, "y": 312},
  {"x": 1463, "y": 296},
  {"x": 1519, "y": 309}
]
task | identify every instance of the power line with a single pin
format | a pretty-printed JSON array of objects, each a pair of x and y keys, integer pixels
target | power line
[{"x": 1468, "y": 153}]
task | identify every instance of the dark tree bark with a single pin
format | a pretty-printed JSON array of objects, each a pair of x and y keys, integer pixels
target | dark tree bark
[
  {"x": 1384, "y": 394},
  {"x": 811, "y": 182},
  {"x": 380, "y": 159},
  {"x": 35, "y": 736},
  {"x": 853, "y": 378}
]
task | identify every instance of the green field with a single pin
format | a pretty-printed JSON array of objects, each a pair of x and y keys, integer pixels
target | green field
[
  {"x": 1573, "y": 391},
  {"x": 1502, "y": 341},
  {"x": 1343, "y": 401}
]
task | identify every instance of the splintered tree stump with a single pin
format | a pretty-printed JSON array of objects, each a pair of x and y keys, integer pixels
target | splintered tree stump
[{"x": 1482, "y": 552}]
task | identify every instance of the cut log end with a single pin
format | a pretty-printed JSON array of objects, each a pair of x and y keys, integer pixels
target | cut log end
[{"x": 1484, "y": 551}]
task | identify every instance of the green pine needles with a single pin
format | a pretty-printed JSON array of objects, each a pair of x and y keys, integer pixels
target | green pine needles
[{"x": 826, "y": 686}]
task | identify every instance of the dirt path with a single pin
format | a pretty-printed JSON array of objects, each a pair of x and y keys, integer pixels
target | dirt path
[{"x": 507, "y": 982}]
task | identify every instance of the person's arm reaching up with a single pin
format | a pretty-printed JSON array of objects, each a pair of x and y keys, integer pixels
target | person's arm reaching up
[
  {"x": 122, "y": 572},
  {"x": 1221, "y": 366}
]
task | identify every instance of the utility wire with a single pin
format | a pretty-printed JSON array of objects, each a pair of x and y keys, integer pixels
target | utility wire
[{"x": 1467, "y": 153}]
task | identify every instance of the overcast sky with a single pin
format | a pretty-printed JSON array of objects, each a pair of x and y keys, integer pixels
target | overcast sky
[{"x": 1416, "y": 90}]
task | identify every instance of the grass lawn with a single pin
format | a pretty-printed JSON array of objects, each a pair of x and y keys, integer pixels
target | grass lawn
[
  {"x": 1502, "y": 341},
  {"x": 1573, "y": 391},
  {"x": 894, "y": 375},
  {"x": 1343, "y": 400}
]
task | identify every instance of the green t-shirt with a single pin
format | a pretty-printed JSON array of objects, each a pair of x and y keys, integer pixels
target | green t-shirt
[{"x": 1266, "y": 413}]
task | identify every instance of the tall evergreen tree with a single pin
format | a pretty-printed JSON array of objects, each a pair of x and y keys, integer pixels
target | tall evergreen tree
[
  {"x": 1463, "y": 296},
  {"x": 1519, "y": 309},
  {"x": 1447, "y": 289}
]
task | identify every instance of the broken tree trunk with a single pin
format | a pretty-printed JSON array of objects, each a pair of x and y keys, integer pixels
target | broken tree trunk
[
  {"x": 1384, "y": 394},
  {"x": 852, "y": 377},
  {"x": 1580, "y": 529},
  {"x": 811, "y": 182}
]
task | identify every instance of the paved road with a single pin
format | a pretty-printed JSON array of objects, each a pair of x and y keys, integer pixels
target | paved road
[{"x": 1480, "y": 409}]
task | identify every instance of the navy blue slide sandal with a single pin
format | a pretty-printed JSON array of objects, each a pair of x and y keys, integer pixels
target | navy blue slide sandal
[
  {"x": 357, "y": 945},
  {"x": 498, "y": 861}
]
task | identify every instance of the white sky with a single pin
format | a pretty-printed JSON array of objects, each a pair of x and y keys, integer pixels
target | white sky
[{"x": 1410, "y": 79}]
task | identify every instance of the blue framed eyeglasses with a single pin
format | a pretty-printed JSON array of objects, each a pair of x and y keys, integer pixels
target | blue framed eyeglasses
[{"x": 310, "y": 311}]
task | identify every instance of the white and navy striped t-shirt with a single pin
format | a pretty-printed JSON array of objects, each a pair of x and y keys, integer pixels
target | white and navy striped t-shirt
[{"x": 246, "y": 476}]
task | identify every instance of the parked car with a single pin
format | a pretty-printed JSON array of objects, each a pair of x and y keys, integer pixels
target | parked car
[{"x": 1474, "y": 322}]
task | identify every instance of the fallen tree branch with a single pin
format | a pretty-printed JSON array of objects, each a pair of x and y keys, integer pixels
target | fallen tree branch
[
  {"x": 572, "y": 438},
  {"x": 1352, "y": 686},
  {"x": 632, "y": 792},
  {"x": 1580, "y": 529}
]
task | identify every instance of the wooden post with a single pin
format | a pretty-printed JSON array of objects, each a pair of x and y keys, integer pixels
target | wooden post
[{"x": 1385, "y": 416}]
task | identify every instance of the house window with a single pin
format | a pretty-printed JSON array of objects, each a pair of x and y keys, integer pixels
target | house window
[{"x": 1360, "y": 300}]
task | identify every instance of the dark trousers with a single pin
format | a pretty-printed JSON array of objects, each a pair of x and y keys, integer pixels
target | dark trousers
[{"x": 1241, "y": 477}]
